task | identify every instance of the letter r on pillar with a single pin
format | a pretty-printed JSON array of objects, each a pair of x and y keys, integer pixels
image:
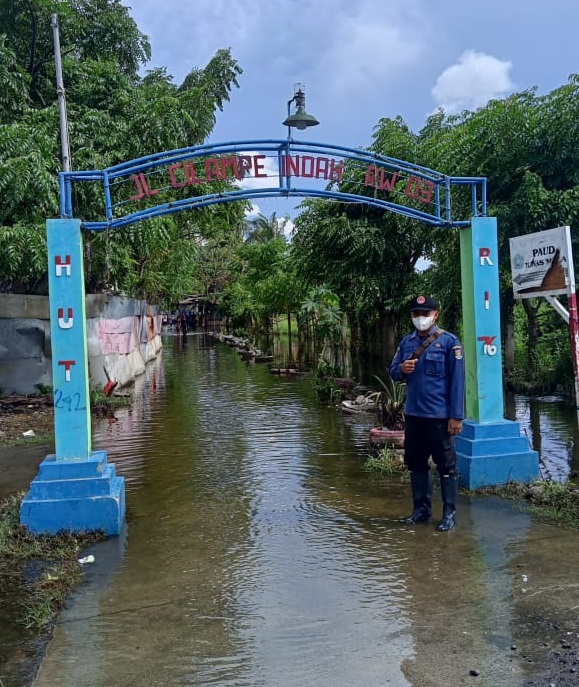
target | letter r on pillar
[{"x": 485, "y": 256}]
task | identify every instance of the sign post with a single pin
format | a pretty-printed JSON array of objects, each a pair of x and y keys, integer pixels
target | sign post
[{"x": 542, "y": 265}]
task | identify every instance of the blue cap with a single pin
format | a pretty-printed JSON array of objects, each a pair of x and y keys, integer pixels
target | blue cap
[{"x": 423, "y": 303}]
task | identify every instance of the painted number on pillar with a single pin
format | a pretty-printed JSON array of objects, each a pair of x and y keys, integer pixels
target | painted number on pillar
[
  {"x": 68, "y": 402},
  {"x": 488, "y": 347}
]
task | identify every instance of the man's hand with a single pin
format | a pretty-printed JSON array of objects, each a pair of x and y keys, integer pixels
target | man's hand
[
  {"x": 454, "y": 426},
  {"x": 407, "y": 367}
]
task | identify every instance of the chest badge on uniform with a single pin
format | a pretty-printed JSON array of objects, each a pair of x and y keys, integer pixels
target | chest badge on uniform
[
  {"x": 437, "y": 345},
  {"x": 457, "y": 352}
]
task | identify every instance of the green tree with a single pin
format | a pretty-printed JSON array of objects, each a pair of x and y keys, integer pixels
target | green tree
[
  {"x": 262, "y": 229},
  {"x": 367, "y": 256},
  {"x": 265, "y": 285},
  {"x": 90, "y": 30},
  {"x": 114, "y": 115},
  {"x": 321, "y": 311},
  {"x": 524, "y": 146}
]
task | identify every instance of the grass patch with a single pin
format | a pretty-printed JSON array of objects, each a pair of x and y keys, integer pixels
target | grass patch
[
  {"x": 36, "y": 440},
  {"x": 550, "y": 501},
  {"x": 44, "y": 569},
  {"x": 387, "y": 463},
  {"x": 558, "y": 503},
  {"x": 102, "y": 406}
]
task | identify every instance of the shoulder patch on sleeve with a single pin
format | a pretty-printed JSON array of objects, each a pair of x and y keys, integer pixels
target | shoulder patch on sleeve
[{"x": 457, "y": 352}]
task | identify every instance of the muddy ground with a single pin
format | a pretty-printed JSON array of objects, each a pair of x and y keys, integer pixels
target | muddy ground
[{"x": 20, "y": 414}]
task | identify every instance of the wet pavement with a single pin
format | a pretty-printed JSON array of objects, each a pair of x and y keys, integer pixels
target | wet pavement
[{"x": 258, "y": 552}]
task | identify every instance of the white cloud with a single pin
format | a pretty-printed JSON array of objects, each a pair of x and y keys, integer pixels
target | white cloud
[
  {"x": 288, "y": 229},
  {"x": 348, "y": 55},
  {"x": 268, "y": 166},
  {"x": 470, "y": 83},
  {"x": 253, "y": 211}
]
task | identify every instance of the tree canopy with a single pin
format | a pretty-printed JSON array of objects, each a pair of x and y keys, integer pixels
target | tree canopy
[
  {"x": 524, "y": 145},
  {"x": 115, "y": 114}
]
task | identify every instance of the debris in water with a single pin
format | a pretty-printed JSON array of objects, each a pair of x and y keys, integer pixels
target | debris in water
[{"x": 86, "y": 559}]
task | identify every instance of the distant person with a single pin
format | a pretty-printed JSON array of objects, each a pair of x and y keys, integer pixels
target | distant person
[
  {"x": 430, "y": 362},
  {"x": 181, "y": 324}
]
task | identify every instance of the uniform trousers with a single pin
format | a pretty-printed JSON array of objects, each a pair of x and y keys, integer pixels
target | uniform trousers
[{"x": 425, "y": 437}]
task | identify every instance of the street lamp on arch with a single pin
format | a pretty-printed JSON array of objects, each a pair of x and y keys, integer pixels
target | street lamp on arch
[{"x": 300, "y": 119}]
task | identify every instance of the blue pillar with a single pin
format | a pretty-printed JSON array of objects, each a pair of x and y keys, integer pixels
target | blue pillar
[
  {"x": 491, "y": 450},
  {"x": 75, "y": 489}
]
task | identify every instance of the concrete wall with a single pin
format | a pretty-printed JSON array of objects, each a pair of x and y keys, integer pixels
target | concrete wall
[{"x": 123, "y": 335}]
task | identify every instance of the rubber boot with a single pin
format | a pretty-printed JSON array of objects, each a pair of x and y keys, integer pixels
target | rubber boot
[
  {"x": 448, "y": 491},
  {"x": 421, "y": 498}
]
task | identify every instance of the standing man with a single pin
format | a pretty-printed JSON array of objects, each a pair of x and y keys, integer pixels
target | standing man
[{"x": 431, "y": 363}]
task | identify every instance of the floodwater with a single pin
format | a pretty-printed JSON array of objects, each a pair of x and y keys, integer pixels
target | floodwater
[
  {"x": 258, "y": 552},
  {"x": 552, "y": 428}
]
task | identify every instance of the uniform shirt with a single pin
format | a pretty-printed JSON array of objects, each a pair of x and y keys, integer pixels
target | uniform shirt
[{"x": 436, "y": 387}]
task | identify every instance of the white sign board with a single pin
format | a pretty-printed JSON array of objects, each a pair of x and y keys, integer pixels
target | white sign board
[{"x": 540, "y": 263}]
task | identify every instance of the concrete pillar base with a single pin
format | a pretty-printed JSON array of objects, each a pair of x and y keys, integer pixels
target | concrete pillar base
[
  {"x": 494, "y": 453},
  {"x": 75, "y": 496}
]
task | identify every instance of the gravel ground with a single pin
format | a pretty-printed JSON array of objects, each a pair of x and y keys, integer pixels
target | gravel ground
[{"x": 556, "y": 663}]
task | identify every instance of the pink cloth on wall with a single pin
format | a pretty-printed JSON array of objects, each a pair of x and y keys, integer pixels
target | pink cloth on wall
[{"x": 118, "y": 336}]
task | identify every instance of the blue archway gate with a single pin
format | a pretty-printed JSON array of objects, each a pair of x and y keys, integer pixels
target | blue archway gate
[
  {"x": 194, "y": 177},
  {"x": 76, "y": 488}
]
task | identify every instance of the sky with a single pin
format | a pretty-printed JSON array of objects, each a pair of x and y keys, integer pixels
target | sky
[{"x": 361, "y": 60}]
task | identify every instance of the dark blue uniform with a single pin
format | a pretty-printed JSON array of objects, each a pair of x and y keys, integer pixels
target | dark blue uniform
[
  {"x": 434, "y": 393},
  {"x": 436, "y": 387}
]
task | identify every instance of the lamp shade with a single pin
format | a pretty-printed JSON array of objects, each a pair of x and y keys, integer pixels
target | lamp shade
[{"x": 301, "y": 120}]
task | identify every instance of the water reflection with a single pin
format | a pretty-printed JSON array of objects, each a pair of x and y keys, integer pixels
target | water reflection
[
  {"x": 549, "y": 422},
  {"x": 551, "y": 425}
]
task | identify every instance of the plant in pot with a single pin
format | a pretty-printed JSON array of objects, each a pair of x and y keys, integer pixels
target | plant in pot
[{"x": 391, "y": 414}]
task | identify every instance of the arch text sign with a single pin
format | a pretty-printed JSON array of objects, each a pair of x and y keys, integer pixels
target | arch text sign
[{"x": 193, "y": 177}]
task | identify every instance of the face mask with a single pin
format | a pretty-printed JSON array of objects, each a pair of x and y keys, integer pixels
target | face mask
[{"x": 422, "y": 323}]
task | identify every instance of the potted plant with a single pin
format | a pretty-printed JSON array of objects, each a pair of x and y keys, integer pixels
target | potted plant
[{"x": 391, "y": 414}]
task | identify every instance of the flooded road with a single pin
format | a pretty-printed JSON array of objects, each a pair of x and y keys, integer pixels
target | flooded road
[{"x": 258, "y": 553}]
